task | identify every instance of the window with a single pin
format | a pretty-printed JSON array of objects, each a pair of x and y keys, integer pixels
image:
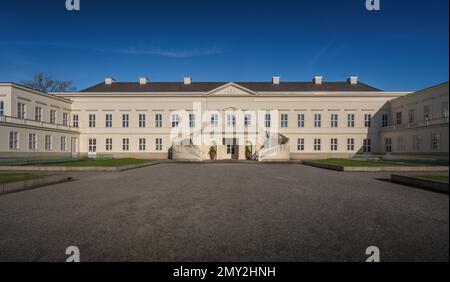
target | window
[
  {"x": 32, "y": 142},
  {"x": 175, "y": 120},
  {"x": 334, "y": 144},
  {"x": 75, "y": 120},
  {"x": 398, "y": 118},
  {"x": 284, "y": 120},
  {"x": 13, "y": 140},
  {"x": 48, "y": 142},
  {"x": 417, "y": 142},
  {"x": 427, "y": 115},
  {"x": 350, "y": 144},
  {"x": 91, "y": 120},
  {"x": 158, "y": 144},
  {"x": 125, "y": 120},
  {"x": 444, "y": 109},
  {"x": 108, "y": 144},
  {"x": 317, "y": 143},
  {"x": 388, "y": 145},
  {"x": 214, "y": 120},
  {"x": 367, "y": 120},
  {"x": 300, "y": 144},
  {"x": 411, "y": 116},
  {"x": 247, "y": 120},
  {"x": 400, "y": 143},
  {"x": 158, "y": 120},
  {"x": 435, "y": 142},
  {"x": 125, "y": 144},
  {"x": 108, "y": 120},
  {"x": 63, "y": 143},
  {"x": 37, "y": 113},
  {"x": 334, "y": 120},
  {"x": 384, "y": 120},
  {"x": 267, "y": 120},
  {"x": 141, "y": 120},
  {"x": 21, "y": 110},
  {"x": 351, "y": 120},
  {"x": 231, "y": 120},
  {"x": 53, "y": 116},
  {"x": 65, "y": 119},
  {"x": 301, "y": 120},
  {"x": 141, "y": 144},
  {"x": 92, "y": 145},
  {"x": 2, "y": 108},
  {"x": 367, "y": 146},
  {"x": 317, "y": 120},
  {"x": 191, "y": 120}
]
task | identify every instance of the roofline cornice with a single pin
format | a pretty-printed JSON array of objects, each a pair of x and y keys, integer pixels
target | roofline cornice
[{"x": 50, "y": 96}]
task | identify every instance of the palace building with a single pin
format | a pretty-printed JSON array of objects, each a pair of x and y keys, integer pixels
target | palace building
[{"x": 272, "y": 120}]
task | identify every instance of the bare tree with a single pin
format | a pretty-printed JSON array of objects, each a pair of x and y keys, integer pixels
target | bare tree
[{"x": 45, "y": 83}]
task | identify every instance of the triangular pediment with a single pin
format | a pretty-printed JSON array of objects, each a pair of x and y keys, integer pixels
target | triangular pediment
[{"x": 231, "y": 89}]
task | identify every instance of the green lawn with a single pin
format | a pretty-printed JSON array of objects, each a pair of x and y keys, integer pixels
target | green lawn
[
  {"x": 442, "y": 178},
  {"x": 383, "y": 162},
  {"x": 18, "y": 176},
  {"x": 103, "y": 162},
  {"x": 350, "y": 162}
]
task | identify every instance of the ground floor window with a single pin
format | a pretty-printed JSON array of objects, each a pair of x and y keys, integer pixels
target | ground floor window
[
  {"x": 350, "y": 144},
  {"x": 141, "y": 144},
  {"x": 417, "y": 142},
  {"x": 63, "y": 143},
  {"x": 300, "y": 144},
  {"x": 388, "y": 145},
  {"x": 32, "y": 143},
  {"x": 48, "y": 142},
  {"x": 334, "y": 144},
  {"x": 158, "y": 144},
  {"x": 317, "y": 144},
  {"x": 14, "y": 140},
  {"x": 400, "y": 144},
  {"x": 367, "y": 146},
  {"x": 435, "y": 142},
  {"x": 125, "y": 144},
  {"x": 108, "y": 144},
  {"x": 92, "y": 142}
]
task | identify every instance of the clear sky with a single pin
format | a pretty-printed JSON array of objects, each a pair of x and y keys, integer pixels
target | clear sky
[{"x": 404, "y": 46}]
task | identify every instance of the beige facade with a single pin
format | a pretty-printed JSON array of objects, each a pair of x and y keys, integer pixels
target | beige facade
[{"x": 146, "y": 124}]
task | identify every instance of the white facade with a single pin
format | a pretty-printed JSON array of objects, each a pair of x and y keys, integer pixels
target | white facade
[{"x": 141, "y": 124}]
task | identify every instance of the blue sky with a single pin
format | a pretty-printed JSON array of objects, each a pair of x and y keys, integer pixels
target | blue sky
[{"x": 404, "y": 46}]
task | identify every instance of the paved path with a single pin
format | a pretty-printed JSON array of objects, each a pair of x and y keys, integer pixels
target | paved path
[{"x": 225, "y": 212}]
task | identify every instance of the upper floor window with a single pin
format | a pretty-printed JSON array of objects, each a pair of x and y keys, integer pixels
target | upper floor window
[
  {"x": 351, "y": 120},
  {"x": 21, "y": 110},
  {"x": 427, "y": 114},
  {"x": 75, "y": 120},
  {"x": 37, "y": 113},
  {"x": 108, "y": 120},
  {"x": 267, "y": 120},
  {"x": 158, "y": 120},
  {"x": 53, "y": 116},
  {"x": 175, "y": 120},
  {"x": 231, "y": 120},
  {"x": 247, "y": 120},
  {"x": 334, "y": 120},
  {"x": 301, "y": 120},
  {"x": 65, "y": 119},
  {"x": 444, "y": 109},
  {"x": 125, "y": 120},
  {"x": 191, "y": 120},
  {"x": 367, "y": 120},
  {"x": 284, "y": 120},
  {"x": 384, "y": 120},
  {"x": 141, "y": 120},
  {"x": 214, "y": 120},
  {"x": 317, "y": 120},
  {"x": 91, "y": 120},
  {"x": 2, "y": 108},
  {"x": 411, "y": 116},
  {"x": 398, "y": 118}
]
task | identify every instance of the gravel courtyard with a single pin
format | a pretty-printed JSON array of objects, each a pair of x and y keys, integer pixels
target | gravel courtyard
[{"x": 225, "y": 212}]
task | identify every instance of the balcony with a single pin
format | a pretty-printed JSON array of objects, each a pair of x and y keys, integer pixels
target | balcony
[
  {"x": 425, "y": 123},
  {"x": 43, "y": 124}
]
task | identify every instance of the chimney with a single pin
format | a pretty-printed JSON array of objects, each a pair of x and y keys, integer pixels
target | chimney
[
  {"x": 187, "y": 80},
  {"x": 109, "y": 80},
  {"x": 143, "y": 80},
  {"x": 317, "y": 80},
  {"x": 276, "y": 80},
  {"x": 352, "y": 80}
]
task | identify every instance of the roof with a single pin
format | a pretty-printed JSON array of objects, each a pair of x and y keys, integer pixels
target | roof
[{"x": 208, "y": 86}]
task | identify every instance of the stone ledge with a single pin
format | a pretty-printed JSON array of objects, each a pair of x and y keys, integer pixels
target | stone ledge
[
  {"x": 6, "y": 188},
  {"x": 378, "y": 168},
  {"x": 75, "y": 168},
  {"x": 430, "y": 185}
]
